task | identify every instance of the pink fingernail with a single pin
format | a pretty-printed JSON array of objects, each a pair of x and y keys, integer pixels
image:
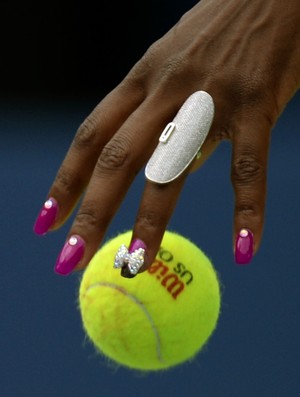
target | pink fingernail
[
  {"x": 46, "y": 217},
  {"x": 136, "y": 244},
  {"x": 70, "y": 255},
  {"x": 244, "y": 247}
]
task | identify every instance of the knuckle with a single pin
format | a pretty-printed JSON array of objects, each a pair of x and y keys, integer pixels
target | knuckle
[
  {"x": 247, "y": 210},
  {"x": 114, "y": 155},
  {"x": 252, "y": 93},
  {"x": 245, "y": 88},
  {"x": 86, "y": 133},
  {"x": 150, "y": 57},
  {"x": 134, "y": 81},
  {"x": 175, "y": 67},
  {"x": 222, "y": 135},
  {"x": 246, "y": 169},
  {"x": 170, "y": 66},
  {"x": 149, "y": 219},
  {"x": 87, "y": 216},
  {"x": 138, "y": 75},
  {"x": 65, "y": 180}
]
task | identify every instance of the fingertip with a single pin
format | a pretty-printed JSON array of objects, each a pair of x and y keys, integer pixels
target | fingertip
[
  {"x": 132, "y": 260},
  {"x": 70, "y": 255},
  {"x": 46, "y": 217}
]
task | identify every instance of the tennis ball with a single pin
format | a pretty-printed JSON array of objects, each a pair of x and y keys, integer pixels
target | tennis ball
[{"x": 157, "y": 320}]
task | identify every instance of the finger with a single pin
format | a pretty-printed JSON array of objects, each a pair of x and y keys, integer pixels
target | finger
[
  {"x": 165, "y": 171},
  {"x": 119, "y": 162},
  {"x": 78, "y": 165},
  {"x": 207, "y": 150},
  {"x": 249, "y": 179},
  {"x": 217, "y": 134},
  {"x": 155, "y": 211}
]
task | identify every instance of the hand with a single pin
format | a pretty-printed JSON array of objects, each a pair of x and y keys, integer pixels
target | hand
[{"x": 246, "y": 56}]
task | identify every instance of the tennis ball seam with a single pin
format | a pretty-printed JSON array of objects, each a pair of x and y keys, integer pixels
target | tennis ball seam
[
  {"x": 139, "y": 323},
  {"x": 140, "y": 304}
]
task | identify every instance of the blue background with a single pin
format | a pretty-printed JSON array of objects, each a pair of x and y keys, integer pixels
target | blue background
[{"x": 43, "y": 350}]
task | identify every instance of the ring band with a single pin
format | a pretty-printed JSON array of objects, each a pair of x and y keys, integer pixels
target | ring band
[{"x": 181, "y": 140}]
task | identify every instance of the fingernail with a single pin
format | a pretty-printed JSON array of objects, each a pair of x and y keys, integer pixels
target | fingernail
[
  {"x": 130, "y": 260},
  {"x": 136, "y": 244},
  {"x": 46, "y": 217},
  {"x": 137, "y": 250},
  {"x": 70, "y": 255},
  {"x": 244, "y": 247}
]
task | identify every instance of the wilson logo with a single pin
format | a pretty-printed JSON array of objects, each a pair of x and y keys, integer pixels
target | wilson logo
[{"x": 175, "y": 279}]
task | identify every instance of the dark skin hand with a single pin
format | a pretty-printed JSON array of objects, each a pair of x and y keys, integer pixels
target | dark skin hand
[{"x": 245, "y": 54}]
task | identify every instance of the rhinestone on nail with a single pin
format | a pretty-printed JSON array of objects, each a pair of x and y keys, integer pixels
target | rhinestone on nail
[
  {"x": 121, "y": 257},
  {"x": 48, "y": 204},
  {"x": 244, "y": 233},
  {"x": 136, "y": 260},
  {"x": 73, "y": 240}
]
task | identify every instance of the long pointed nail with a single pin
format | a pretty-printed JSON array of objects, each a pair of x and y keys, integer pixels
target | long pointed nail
[
  {"x": 46, "y": 217},
  {"x": 70, "y": 255},
  {"x": 244, "y": 247}
]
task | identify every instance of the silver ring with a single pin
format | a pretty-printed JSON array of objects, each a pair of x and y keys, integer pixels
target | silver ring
[{"x": 181, "y": 140}]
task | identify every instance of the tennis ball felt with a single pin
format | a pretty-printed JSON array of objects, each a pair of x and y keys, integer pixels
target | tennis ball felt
[{"x": 160, "y": 318}]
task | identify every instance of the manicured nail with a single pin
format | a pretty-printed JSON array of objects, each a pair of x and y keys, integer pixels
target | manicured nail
[
  {"x": 244, "y": 247},
  {"x": 70, "y": 255},
  {"x": 137, "y": 244},
  {"x": 137, "y": 251},
  {"x": 46, "y": 217},
  {"x": 130, "y": 260}
]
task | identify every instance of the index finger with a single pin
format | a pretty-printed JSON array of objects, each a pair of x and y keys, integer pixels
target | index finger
[{"x": 76, "y": 169}]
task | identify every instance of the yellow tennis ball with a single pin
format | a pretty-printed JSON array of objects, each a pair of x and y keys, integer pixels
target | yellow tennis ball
[{"x": 160, "y": 318}]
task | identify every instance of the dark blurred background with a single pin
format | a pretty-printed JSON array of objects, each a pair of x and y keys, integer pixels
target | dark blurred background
[
  {"x": 57, "y": 60},
  {"x": 77, "y": 48}
]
